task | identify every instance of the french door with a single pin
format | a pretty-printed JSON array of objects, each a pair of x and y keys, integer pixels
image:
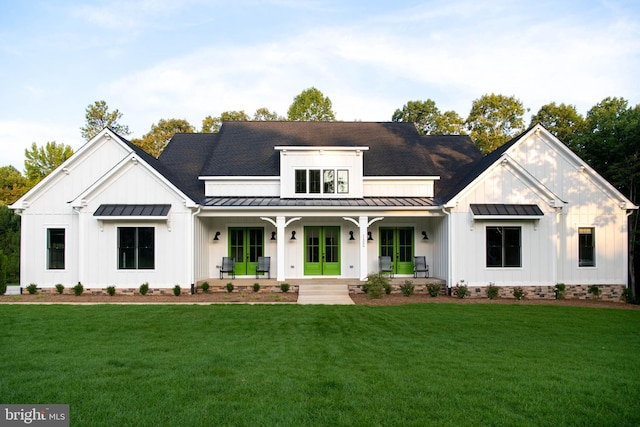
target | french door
[
  {"x": 397, "y": 242},
  {"x": 246, "y": 245},
  {"x": 322, "y": 251}
]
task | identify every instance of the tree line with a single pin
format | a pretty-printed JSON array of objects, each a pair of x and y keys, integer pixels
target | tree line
[{"x": 607, "y": 138}]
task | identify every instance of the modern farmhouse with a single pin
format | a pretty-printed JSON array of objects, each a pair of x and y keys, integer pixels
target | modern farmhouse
[{"x": 324, "y": 199}]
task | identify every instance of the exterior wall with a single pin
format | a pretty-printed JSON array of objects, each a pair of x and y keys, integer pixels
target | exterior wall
[
  {"x": 406, "y": 187},
  {"x": 266, "y": 187}
]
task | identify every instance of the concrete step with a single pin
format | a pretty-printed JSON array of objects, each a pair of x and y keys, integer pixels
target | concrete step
[
  {"x": 13, "y": 290},
  {"x": 324, "y": 294}
]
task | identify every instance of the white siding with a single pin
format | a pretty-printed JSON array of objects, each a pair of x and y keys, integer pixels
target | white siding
[{"x": 408, "y": 187}]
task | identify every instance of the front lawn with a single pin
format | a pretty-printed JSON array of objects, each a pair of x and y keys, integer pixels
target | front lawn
[{"x": 423, "y": 364}]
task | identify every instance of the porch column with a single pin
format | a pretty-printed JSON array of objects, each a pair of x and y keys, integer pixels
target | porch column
[
  {"x": 280, "y": 241},
  {"x": 363, "y": 224}
]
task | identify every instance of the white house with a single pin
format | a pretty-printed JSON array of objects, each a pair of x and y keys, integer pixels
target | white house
[{"x": 324, "y": 199}]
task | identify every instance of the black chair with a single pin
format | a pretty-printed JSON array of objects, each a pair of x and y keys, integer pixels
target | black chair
[
  {"x": 384, "y": 264},
  {"x": 420, "y": 266},
  {"x": 228, "y": 266},
  {"x": 264, "y": 266}
]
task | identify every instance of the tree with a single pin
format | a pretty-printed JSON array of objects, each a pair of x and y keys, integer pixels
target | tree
[
  {"x": 311, "y": 106},
  {"x": 264, "y": 115},
  {"x": 563, "y": 121},
  {"x": 98, "y": 117},
  {"x": 154, "y": 141},
  {"x": 10, "y": 242},
  {"x": 213, "y": 124},
  {"x": 12, "y": 185},
  {"x": 494, "y": 119},
  {"x": 428, "y": 119},
  {"x": 41, "y": 161}
]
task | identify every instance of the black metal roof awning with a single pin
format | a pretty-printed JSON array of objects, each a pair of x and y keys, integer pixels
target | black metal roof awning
[
  {"x": 506, "y": 211},
  {"x": 413, "y": 202},
  {"x": 132, "y": 211}
]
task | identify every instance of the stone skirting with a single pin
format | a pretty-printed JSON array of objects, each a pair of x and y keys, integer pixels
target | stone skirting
[{"x": 612, "y": 293}]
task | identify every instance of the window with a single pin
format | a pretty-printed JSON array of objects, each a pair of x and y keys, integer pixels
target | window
[
  {"x": 325, "y": 181},
  {"x": 301, "y": 181},
  {"x": 55, "y": 248},
  {"x": 136, "y": 248},
  {"x": 504, "y": 247},
  {"x": 586, "y": 247},
  {"x": 314, "y": 181},
  {"x": 329, "y": 182},
  {"x": 343, "y": 181}
]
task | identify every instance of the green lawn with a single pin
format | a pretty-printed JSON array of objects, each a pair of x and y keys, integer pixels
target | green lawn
[{"x": 430, "y": 364}]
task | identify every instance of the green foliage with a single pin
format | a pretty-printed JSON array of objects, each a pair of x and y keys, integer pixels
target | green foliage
[
  {"x": 10, "y": 242},
  {"x": 41, "y": 161},
  {"x": 519, "y": 293},
  {"x": 144, "y": 288},
  {"x": 32, "y": 288},
  {"x": 494, "y": 120},
  {"x": 177, "y": 290},
  {"x": 264, "y": 115},
  {"x": 256, "y": 287},
  {"x": 595, "y": 290},
  {"x": 154, "y": 141},
  {"x": 12, "y": 185},
  {"x": 78, "y": 289},
  {"x": 559, "y": 290},
  {"x": 284, "y": 287},
  {"x": 460, "y": 291},
  {"x": 111, "y": 290},
  {"x": 4, "y": 262},
  {"x": 229, "y": 287},
  {"x": 627, "y": 295},
  {"x": 205, "y": 287},
  {"x": 311, "y": 106},
  {"x": 428, "y": 119},
  {"x": 98, "y": 117},
  {"x": 492, "y": 291},
  {"x": 213, "y": 124},
  {"x": 407, "y": 288},
  {"x": 376, "y": 285},
  {"x": 433, "y": 289},
  {"x": 60, "y": 288},
  {"x": 563, "y": 121}
]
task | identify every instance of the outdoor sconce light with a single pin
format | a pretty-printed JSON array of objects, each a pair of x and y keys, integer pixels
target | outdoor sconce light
[
  {"x": 351, "y": 236},
  {"x": 369, "y": 237},
  {"x": 293, "y": 235},
  {"x": 215, "y": 238},
  {"x": 273, "y": 235},
  {"x": 424, "y": 236}
]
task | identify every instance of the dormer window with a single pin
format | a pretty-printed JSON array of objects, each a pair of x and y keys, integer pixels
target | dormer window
[{"x": 325, "y": 181}]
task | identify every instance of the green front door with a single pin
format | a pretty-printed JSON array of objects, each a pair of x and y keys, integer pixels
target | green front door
[
  {"x": 397, "y": 242},
  {"x": 322, "y": 251},
  {"x": 246, "y": 245}
]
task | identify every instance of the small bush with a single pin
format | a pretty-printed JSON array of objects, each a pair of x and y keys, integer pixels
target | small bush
[
  {"x": 407, "y": 288},
  {"x": 595, "y": 291},
  {"x": 519, "y": 293},
  {"x": 376, "y": 285},
  {"x": 460, "y": 291},
  {"x": 78, "y": 289},
  {"x": 32, "y": 288},
  {"x": 144, "y": 288},
  {"x": 111, "y": 290},
  {"x": 60, "y": 288},
  {"x": 387, "y": 287},
  {"x": 177, "y": 290},
  {"x": 256, "y": 287},
  {"x": 284, "y": 287},
  {"x": 492, "y": 291},
  {"x": 559, "y": 290},
  {"x": 627, "y": 295},
  {"x": 433, "y": 289},
  {"x": 205, "y": 287},
  {"x": 229, "y": 287}
]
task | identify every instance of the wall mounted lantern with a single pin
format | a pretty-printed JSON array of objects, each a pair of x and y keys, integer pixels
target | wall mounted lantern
[
  {"x": 273, "y": 235},
  {"x": 424, "y": 236},
  {"x": 215, "y": 238},
  {"x": 351, "y": 236},
  {"x": 293, "y": 235},
  {"x": 369, "y": 236}
]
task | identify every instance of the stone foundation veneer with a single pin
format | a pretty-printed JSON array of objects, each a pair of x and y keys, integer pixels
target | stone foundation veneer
[{"x": 611, "y": 293}]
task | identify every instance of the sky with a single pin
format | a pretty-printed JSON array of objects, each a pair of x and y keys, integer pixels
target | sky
[{"x": 187, "y": 59}]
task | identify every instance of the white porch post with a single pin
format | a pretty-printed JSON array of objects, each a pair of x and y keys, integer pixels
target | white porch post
[
  {"x": 280, "y": 240},
  {"x": 363, "y": 223}
]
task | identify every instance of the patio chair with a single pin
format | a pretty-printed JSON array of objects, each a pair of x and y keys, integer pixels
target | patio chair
[
  {"x": 420, "y": 266},
  {"x": 264, "y": 266},
  {"x": 228, "y": 266},
  {"x": 384, "y": 263}
]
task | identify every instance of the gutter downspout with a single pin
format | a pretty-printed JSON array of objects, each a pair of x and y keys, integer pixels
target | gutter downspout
[{"x": 449, "y": 249}]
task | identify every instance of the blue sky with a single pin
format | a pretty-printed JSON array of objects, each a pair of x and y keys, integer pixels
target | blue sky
[{"x": 155, "y": 59}]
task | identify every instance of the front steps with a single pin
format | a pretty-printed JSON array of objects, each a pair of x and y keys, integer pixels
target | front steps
[{"x": 324, "y": 294}]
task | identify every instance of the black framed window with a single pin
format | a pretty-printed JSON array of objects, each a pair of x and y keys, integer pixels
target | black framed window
[
  {"x": 326, "y": 181},
  {"x": 504, "y": 246},
  {"x": 301, "y": 181},
  {"x": 136, "y": 248},
  {"x": 586, "y": 247},
  {"x": 55, "y": 248},
  {"x": 314, "y": 181}
]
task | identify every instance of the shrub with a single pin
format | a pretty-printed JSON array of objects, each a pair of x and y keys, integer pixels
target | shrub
[
  {"x": 460, "y": 291},
  {"x": 595, "y": 291},
  {"x": 492, "y": 291},
  {"x": 111, "y": 290},
  {"x": 78, "y": 289},
  {"x": 376, "y": 285},
  {"x": 60, "y": 288},
  {"x": 177, "y": 290},
  {"x": 284, "y": 287},
  {"x": 144, "y": 288},
  {"x": 559, "y": 290},
  {"x": 387, "y": 287},
  {"x": 4, "y": 264},
  {"x": 256, "y": 287},
  {"x": 433, "y": 289},
  {"x": 205, "y": 287},
  {"x": 519, "y": 293},
  {"x": 229, "y": 287},
  {"x": 32, "y": 288},
  {"x": 627, "y": 295},
  {"x": 407, "y": 288}
]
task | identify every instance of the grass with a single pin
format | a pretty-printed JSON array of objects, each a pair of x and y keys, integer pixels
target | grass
[{"x": 434, "y": 364}]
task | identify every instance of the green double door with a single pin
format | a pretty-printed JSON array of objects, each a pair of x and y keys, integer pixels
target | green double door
[
  {"x": 322, "y": 251},
  {"x": 397, "y": 242},
  {"x": 246, "y": 245}
]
